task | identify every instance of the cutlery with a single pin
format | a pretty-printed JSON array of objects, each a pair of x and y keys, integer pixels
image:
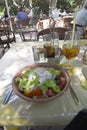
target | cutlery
[
  {"x": 7, "y": 96},
  {"x": 74, "y": 96},
  {"x": 84, "y": 57}
]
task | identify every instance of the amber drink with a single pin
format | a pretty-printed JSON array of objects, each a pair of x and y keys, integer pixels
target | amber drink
[
  {"x": 71, "y": 47},
  {"x": 70, "y": 52}
]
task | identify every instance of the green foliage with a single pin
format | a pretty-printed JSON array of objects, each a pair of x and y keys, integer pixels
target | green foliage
[
  {"x": 13, "y": 10},
  {"x": 39, "y": 5},
  {"x": 66, "y": 4}
]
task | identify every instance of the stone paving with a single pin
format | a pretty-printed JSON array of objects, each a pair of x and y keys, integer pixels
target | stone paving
[{"x": 18, "y": 39}]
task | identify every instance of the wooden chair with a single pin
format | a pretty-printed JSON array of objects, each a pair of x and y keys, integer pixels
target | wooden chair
[
  {"x": 13, "y": 23},
  {"x": 24, "y": 23},
  {"x": 45, "y": 23},
  {"x": 7, "y": 37},
  {"x": 60, "y": 30},
  {"x": 67, "y": 20},
  {"x": 4, "y": 25},
  {"x": 23, "y": 28},
  {"x": 85, "y": 33}
]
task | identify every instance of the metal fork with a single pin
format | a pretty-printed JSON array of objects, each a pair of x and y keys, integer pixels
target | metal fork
[{"x": 7, "y": 96}]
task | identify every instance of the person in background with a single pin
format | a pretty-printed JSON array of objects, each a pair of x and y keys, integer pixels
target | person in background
[
  {"x": 21, "y": 15},
  {"x": 81, "y": 18},
  {"x": 30, "y": 15}
]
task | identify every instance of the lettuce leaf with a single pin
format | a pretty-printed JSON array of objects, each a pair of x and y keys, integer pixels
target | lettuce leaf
[
  {"x": 50, "y": 84},
  {"x": 26, "y": 84},
  {"x": 54, "y": 71}
]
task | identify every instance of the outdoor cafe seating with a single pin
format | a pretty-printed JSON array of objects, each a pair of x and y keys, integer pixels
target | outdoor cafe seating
[
  {"x": 60, "y": 30},
  {"x": 24, "y": 28},
  {"x": 67, "y": 20},
  {"x": 7, "y": 37}
]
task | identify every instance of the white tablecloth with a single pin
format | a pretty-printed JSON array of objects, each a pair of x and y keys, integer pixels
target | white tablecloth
[{"x": 59, "y": 111}]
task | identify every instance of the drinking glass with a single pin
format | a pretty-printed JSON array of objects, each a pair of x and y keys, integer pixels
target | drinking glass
[
  {"x": 38, "y": 53},
  {"x": 83, "y": 47},
  {"x": 71, "y": 46},
  {"x": 51, "y": 45}
]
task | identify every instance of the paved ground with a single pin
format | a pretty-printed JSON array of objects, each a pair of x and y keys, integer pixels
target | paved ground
[{"x": 18, "y": 39}]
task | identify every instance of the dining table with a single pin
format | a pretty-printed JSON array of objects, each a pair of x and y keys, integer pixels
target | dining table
[{"x": 56, "y": 112}]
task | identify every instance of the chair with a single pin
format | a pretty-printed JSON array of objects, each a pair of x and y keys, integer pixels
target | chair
[
  {"x": 60, "y": 30},
  {"x": 6, "y": 38},
  {"x": 23, "y": 28},
  {"x": 67, "y": 20},
  {"x": 85, "y": 33},
  {"x": 13, "y": 23},
  {"x": 24, "y": 23},
  {"x": 45, "y": 23},
  {"x": 4, "y": 25},
  {"x": 84, "y": 28}
]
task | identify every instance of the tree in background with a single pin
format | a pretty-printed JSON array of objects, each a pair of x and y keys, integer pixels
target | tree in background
[
  {"x": 66, "y": 4},
  {"x": 38, "y": 5}
]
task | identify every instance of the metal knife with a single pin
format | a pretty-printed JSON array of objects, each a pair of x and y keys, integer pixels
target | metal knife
[{"x": 74, "y": 96}]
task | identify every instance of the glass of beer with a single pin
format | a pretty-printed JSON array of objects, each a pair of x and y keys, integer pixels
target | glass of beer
[{"x": 71, "y": 45}]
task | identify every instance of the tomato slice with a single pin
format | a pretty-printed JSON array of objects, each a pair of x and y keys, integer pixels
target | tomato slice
[{"x": 36, "y": 92}]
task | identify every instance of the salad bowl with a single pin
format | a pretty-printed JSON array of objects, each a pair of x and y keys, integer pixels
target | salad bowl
[{"x": 40, "y": 82}]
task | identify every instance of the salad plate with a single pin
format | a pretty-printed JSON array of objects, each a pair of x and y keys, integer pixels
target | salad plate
[{"x": 40, "y": 82}]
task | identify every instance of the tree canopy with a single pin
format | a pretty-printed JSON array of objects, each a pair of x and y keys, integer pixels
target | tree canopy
[{"x": 37, "y": 5}]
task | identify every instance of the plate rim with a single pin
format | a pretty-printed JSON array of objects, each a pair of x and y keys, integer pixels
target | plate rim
[{"x": 43, "y": 64}]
